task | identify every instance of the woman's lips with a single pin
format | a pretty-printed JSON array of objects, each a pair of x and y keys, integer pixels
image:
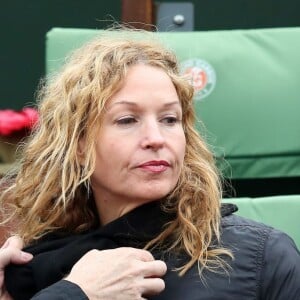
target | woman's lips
[{"x": 155, "y": 166}]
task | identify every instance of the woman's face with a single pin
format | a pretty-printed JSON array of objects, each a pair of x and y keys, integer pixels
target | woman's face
[{"x": 141, "y": 144}]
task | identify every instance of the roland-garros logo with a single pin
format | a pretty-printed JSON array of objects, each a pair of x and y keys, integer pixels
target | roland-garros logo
[{"x": 201, "y": 74}]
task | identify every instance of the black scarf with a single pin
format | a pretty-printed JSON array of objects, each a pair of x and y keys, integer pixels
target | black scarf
[{"x": 55, "y": 255}]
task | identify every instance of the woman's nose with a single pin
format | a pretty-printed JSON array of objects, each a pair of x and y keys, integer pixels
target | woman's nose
[{"x": 152, "y": 136}]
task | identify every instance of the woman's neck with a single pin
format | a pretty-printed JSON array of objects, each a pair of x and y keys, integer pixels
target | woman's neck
[
  {"x": 112, "y": 208},
  {"x": 109, "y": 211}
]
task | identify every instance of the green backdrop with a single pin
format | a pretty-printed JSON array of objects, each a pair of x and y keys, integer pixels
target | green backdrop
[
  {"x": 251, "y": 114},
  {"x": 24, "y": 23}
]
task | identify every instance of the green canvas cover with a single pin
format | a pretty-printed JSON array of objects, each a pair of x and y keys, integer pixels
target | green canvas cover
[{"x": 246, "y": 93}]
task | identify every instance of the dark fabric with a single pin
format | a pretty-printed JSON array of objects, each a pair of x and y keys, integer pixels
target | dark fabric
[
  {"x": 62, "y": 290},
  {"x": 55, "y": 255},
  {"x": 266, "y": 264},
  {"x": 266, "y": 267}
]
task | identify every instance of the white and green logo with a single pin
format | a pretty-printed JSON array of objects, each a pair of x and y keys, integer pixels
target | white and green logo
[{"x": 201, "y": 74}]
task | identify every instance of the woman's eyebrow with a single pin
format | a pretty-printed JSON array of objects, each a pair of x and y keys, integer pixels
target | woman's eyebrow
[
  {"x": 133, "y": 103},
  {"x": 173, "y": 103},
  {"x": 124, "y": 102}
]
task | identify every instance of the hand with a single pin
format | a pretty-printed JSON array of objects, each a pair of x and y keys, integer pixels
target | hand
[
  {"x": 118, "y": 274},
  {"x": 11, "y": 252}
]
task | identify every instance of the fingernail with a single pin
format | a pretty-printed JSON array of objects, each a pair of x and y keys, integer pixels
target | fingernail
[{"x": 25, "y": 256}]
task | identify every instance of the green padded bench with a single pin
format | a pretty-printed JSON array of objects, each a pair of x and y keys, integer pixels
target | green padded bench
[
  {"x": 281, "y": 212},
  {"x": 247, "y": 92}
]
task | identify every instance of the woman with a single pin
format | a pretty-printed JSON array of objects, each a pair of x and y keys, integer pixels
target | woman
[{"x": 122, "y": 166}]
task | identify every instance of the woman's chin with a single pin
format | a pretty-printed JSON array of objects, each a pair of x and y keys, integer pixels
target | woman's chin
[{"x": 155, "y": 195}]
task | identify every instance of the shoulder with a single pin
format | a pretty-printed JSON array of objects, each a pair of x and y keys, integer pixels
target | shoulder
[
  {"x": 240, "y": 225},
  {"x": 268, "y": 253},
  {"x": 236, "y": 227},
  {"x": 248, "y": 235},
  {"x": 235, "y": 220},
  {"x": 239, "y": 228},
  {"x": 280, "y": 275}
]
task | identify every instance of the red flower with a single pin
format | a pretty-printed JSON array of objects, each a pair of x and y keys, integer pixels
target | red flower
[{"x": 12, "y": 122}]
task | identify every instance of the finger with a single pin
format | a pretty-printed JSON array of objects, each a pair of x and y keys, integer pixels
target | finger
[
  {"x": 139, "y": 254},
  {"x": 5, "y": 245},
  {"x": 143, "y": 255},
  {"x": 155, "y": 268},
  {"x": 14, "y": 241},
  {"x": 152, "y": 286},
  {"x": 5, "y": 296},
  {"x": 12, "y": 255}
]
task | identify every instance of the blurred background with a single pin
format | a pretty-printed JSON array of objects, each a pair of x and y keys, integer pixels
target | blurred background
[{"x": 24, "y": 24}]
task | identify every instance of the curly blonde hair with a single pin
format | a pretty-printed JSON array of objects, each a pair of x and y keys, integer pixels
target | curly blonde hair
[{"x": 50, "y": 191}]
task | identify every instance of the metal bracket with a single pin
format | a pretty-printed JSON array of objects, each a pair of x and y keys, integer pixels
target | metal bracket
[{"x": 175, "y": 16}]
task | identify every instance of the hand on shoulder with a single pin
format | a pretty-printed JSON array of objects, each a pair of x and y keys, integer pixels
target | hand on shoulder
[{"x": 11, "y": 252}]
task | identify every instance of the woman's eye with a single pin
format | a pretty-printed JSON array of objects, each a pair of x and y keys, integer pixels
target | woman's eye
[
  {"x": 170, "y": 120},
  {"x": 126, "y": 121}
]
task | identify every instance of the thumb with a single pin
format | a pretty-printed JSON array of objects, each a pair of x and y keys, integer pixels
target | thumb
[
  {"x": 11, "y": 252},
  {"x": 13, "y": 255},
  {"x": 14, "y": 241}
]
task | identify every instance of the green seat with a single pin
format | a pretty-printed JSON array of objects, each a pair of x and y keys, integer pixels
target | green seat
[
  {"x": 247, "y": 93},
  {"x": 281, "y": 212},
  {"x": 247, "y": 96}
]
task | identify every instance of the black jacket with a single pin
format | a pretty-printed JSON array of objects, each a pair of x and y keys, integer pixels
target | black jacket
[
  {"x": 61, "y": 290},
  {"x": 266, "y": 264}
]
